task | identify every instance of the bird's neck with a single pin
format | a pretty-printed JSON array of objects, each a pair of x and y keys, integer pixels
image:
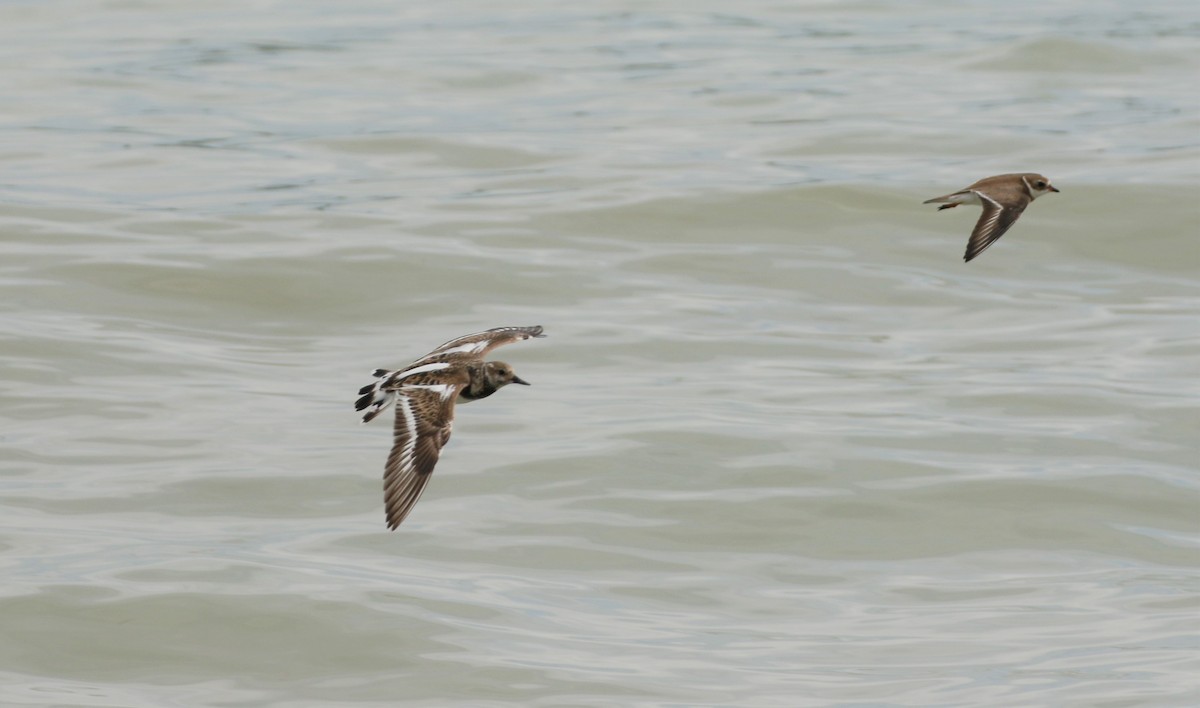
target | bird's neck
[
  {"x": 1029, "y": 191},
  {"x": 481, "y": 385}
]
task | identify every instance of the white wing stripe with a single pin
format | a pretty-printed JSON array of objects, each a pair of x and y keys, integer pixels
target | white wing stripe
[
  {"x": 470, "y": 347},
  {"x": 423, "y": 369},
  {"x": 404, "y": 407},
  {"x": 991, "y": 201},
  {"x": 997, "y": 210},
  {"x": 990, "y": 226}
]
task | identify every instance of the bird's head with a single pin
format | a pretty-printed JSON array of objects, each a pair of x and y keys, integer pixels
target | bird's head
[
  {"x": 1038, "y": 185},
  {"x": 499, "y": 374}
]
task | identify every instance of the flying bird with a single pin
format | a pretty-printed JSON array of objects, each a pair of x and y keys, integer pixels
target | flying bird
[
  {"x": 424, "y": 394},
  {"x": 1003, "y": 198}
]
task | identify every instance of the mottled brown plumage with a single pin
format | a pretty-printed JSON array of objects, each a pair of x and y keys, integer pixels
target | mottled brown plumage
[{"x": 424, "y": 394}]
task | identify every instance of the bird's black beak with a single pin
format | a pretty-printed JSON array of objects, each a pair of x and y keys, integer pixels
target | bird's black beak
[
  {"x": 518, "y": 379},
  {"x": 1052, "y": 188}
]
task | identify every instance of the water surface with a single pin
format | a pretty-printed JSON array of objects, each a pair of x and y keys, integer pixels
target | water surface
[{"x": 782, "y": 446}]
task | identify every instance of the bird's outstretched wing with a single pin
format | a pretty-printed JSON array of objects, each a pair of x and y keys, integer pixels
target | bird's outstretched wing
[
  {"x": 424, "y": 417},
  {"x": 375, "y": 397},
  {"x": 993, "y": 222},
  {"x": 475, "y": 346}
]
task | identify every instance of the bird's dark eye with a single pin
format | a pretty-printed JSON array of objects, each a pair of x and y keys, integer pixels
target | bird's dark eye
[{"x": 1041, "y": 185}]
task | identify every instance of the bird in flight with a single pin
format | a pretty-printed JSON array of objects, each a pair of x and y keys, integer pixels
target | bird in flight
[
  {"x": 1003, "y": 198},
  {"x": 424, "y": 393}
]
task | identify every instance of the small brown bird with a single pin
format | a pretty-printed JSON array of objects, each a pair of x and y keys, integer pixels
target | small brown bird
[
  {"x": 1003, "y": 198},
  {"x": 424, "y": 393}
]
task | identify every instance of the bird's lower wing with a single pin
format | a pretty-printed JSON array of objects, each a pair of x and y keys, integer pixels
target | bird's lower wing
[
  {"x": 993, "y": 222},
  {"x": 424, "y": 417}
]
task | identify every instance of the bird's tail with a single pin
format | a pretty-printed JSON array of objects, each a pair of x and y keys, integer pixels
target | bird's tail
[
  {"x": 949, "y": 201},
  {"x": 374, "y": 399}
]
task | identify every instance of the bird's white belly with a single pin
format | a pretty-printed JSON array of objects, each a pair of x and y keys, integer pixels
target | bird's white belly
[{"x": 966, "y": 198}]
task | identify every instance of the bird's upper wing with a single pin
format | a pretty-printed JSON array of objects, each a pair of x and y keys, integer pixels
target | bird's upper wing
[
  {"x": 475, "y": 346},
  {"x": 435, "y": 366},
  {"x": 424, "y": 417},
  {"x": 992, "y": 224}
]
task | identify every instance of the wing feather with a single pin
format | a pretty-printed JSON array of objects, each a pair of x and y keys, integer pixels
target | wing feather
[
  {"x": 993, "y": 223},
  {"x": 476, "y": 346},
  {"x": 424, "y": 418},
  {"x": 424, "y": 394}
]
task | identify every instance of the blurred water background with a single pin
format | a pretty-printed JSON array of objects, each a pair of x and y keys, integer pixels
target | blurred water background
[{"x": 782, "y": 447}]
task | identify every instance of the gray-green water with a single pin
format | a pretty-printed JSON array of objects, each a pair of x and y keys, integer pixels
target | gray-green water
[{"x": 783, "y": 448}]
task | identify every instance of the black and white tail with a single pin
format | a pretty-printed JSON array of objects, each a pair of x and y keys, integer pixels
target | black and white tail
[{"x": 375, "y": 399}]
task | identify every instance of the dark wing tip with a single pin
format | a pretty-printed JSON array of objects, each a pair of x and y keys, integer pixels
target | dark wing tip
[
  {"x": 401, "y": 495},
  {"x": 506, "y": 335},
  {"x": 975, "y": 246},
  {"x": 533, "y": 331}
]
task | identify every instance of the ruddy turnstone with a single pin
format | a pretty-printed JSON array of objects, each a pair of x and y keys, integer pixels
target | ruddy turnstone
[
  {"x": 424, "y": 393},
  {"x": 1003, "y": 198}
]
